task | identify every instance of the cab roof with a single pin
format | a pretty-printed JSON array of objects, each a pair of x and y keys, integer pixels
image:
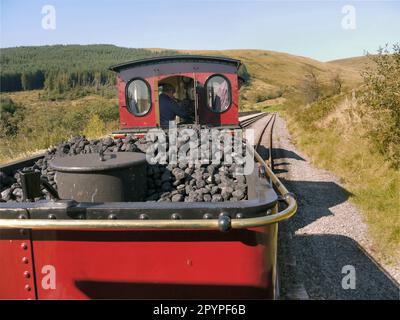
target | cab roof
[{"x": 175, "y": 58}]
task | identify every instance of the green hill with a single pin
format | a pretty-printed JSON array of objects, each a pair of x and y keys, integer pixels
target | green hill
[{"x": 60, "y": 68}]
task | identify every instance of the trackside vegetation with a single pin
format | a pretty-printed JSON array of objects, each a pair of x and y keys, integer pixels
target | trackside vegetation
[
  {"x": 358, "y": 139},
  {"x": 29, "y": 124}
]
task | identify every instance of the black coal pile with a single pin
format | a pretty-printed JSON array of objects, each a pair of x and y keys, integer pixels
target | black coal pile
[
  {"x": 194, "y": 183},
  {"x": 165, "y": 182}
]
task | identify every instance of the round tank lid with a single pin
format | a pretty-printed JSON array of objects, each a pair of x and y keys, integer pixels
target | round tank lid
[{"x": 91, "y": 162}]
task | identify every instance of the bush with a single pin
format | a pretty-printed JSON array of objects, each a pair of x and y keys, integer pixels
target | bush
[
  {"x": 277, "y": 93},
  {"x": 11, "y": 115},
  {"x": 40, "y": 124},
  {"x": 243, "y": 73},
  {"x": 310, "y": 86},
  {"x": 381, "y": 98},
  {"x": 95, "y": 127}
]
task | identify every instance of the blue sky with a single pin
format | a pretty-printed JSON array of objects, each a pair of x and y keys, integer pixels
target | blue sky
[{"x": 308, "y": 28}]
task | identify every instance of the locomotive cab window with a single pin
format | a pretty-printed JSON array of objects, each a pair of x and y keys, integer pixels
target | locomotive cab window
[
  {"x": 138, "y": 98},
  {"x": 177, "y": 100},
  {"x": 218, "y": 92}
]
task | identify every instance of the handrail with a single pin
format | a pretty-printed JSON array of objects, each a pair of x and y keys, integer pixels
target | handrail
[{"x": 223, "y": 223}]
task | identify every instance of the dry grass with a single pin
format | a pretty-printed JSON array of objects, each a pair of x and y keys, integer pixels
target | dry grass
[
  {"x": 356, "y": 63},
  {"x": 46, "y": 123},
  {"x": 276, "y": 76},
  {"x": 285, "y": 70}
]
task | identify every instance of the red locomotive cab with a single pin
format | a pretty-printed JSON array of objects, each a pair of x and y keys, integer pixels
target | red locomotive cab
[{"x": 206, "y": 88}]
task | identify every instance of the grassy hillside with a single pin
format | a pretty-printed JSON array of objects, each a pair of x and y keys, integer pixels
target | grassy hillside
[
  {"x": 356, "y": 63},
  {"x": 276, "y": 76},
  {"x": 279, "y": 68},
  {"x": 359, "y": 140},
  {"x": 343, "y": 147},
  {"x": 43, "y": 123}
]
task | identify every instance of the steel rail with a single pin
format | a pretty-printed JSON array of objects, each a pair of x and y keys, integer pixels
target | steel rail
[
  {"x": 271, "y": 158},
  {"x": 271, "y": 121},
  {"x": 249, "y": 121},
  {"x": 263, "y": 131}
]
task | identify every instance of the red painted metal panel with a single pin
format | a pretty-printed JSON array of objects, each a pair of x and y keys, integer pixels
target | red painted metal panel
[
  {"x": 127, "y": 119},
  {"x": 16, "y": 265},
  {"x": 157, "y": 264},
  {"x": 229, "y": 117}
]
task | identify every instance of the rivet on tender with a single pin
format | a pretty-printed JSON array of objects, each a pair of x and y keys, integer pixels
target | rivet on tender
[
  {"x": 25, "y": 260},
  {"x": 112, "y": 216},
  {"x": 224, "y": 223},
  {"x": 27, "y": 274},
  {"x": 175, "y": 216},
  {"x": 28, "y": 287},
  {"x": 143, "y": 217},
  {"x": 24, "y": 246},
  {"x": 52, "y": 216}
]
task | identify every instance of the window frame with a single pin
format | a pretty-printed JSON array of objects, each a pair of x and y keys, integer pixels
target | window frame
[
  {"x": 127, "y": 99},
  {"x": 229, "y": 92}
]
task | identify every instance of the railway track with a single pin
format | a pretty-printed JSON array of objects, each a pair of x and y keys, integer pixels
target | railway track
[
  {"x": 268, "y": 127},
  {"x": 248, "y": 120}
]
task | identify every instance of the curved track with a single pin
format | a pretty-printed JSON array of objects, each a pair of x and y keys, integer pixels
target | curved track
[{"x": 268, "y": 127}]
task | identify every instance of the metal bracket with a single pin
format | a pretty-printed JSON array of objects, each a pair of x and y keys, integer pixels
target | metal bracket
[{"x": 30, "y": 183}]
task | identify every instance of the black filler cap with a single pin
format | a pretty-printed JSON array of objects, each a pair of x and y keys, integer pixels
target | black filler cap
[{"x": 93, "y": 162}]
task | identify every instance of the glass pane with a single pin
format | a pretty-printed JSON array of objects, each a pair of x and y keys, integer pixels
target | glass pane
[
  {"x": 218, "y": 94},
  {"x": 138, "y": 97}
]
